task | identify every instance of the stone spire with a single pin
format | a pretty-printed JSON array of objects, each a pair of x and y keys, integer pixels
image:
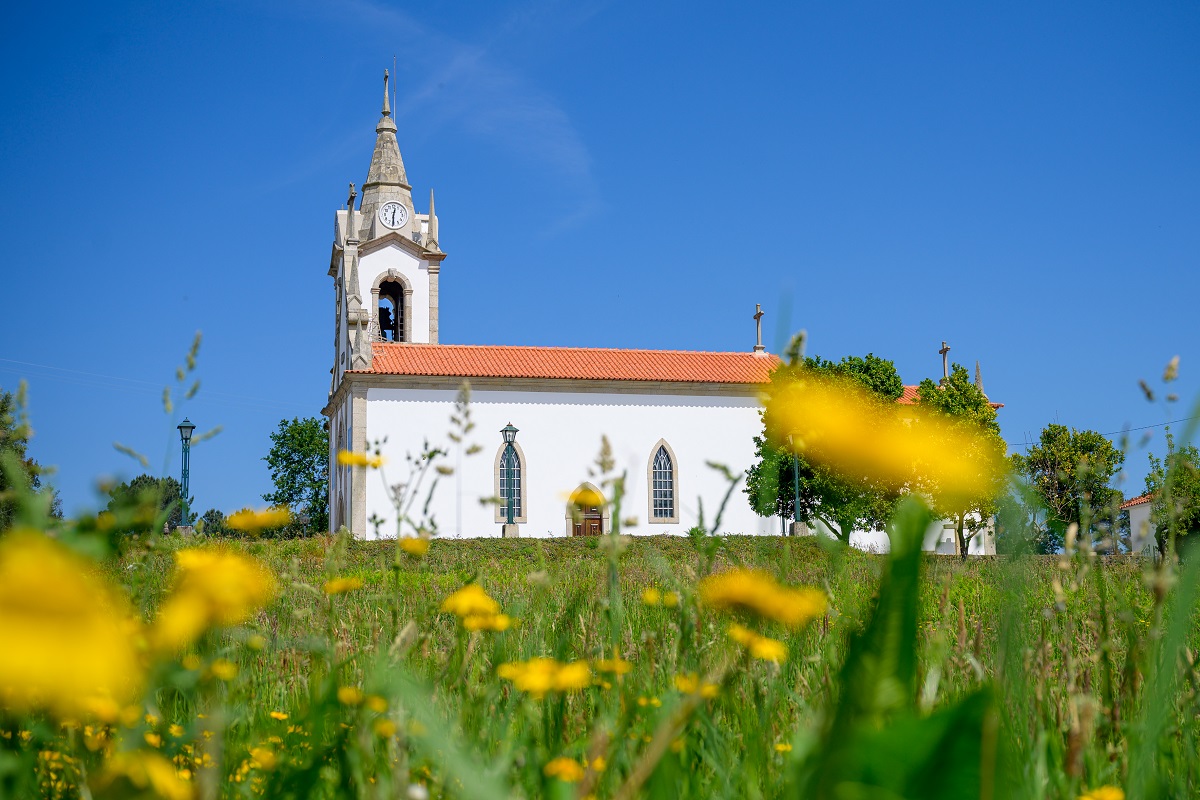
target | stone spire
[
  {"x": 431, "y": 239},
  {"x": 979, "y": 380},
  {"x": 385, "y": 178},
  {"x": 361, "y": 355}
]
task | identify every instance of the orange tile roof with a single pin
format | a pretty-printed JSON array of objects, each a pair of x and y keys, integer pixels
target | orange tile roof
[
  {"x": 909, "y": 398},
  {"x": 1137, "y": 501},
  {"x": 580, "y": 363}
]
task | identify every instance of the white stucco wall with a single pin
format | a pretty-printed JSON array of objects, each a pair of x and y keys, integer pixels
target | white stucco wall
[
  {"x": 560, "y": 434},
  {"x": 1141, "y": 530},
  {"x": 415, "y": 271}
]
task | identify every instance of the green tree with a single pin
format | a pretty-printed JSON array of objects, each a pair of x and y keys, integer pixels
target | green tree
[
  {"x": 299, "y": 463},
  {"x": 960, "y": 400},
  {"x": 1071, "y": 470},
  {"x": 154, "y": 494},
  {"x": 1174, "y": 483},
  {"x": 777, "y": 478},
  {"x": 17, "y": 468}
]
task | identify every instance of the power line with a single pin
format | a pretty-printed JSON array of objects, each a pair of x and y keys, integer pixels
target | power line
[{"x": 1027, "y": 443}]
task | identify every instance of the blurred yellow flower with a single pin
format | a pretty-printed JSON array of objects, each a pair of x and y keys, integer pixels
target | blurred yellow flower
[
  {"x": 670, "y": 599},
  {"x": 384, "y": 728},
  {"x": 759, "y": 646},
  {"x": 175, "y": 730},
  {"x": 376, "y": 703},
  {"x": 615, "y": 665},
  {"x": 691, "y": 683},
  {"x": 262, "y": 757},
  {"x": 213, "y": 586},
  {"x": 251, "y": 521},
  {"x": 651, "y": 596},
  {"x": 487, "y": 622},
  {"x": 152, "y": 739},
  {"x": 415, "y": 546},
  {"x": 143, "y": 770},
  {"x": 837, "y": 423},
  {"x": 1104, "y": 793},
  {"x": 565, "y": 769},
  {"x": 349, "y": 695},
  {"x": 538, "y": 676},
  {"x": 783, "y": 747},
  {"x": 279, "y": 715},
  {"x": 342, "y": 585},
  {"x": 256, "y": 642},
  {"x": 470, "y": 600},
  {"x": 69, "y": 640},
  {"x": 223, "y": 669},
  {"x": 757, "y": 592},
  {"x": 350, "y": 459}
]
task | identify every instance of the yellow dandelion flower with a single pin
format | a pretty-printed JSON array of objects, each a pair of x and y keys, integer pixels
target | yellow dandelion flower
[
  {"x": 783, "y": 747},
  {"x": 134, "y": 772},
  {"x": 415, "y": 546},
  {"x": 279, "y": 715},
  {"x": 152, "y": 739},
  {"x": 70, "y": 640},
  {"x": 837, "y": 423},
  {"x": 384, "y": 728},
  {"x": 565, "y": 769},
  {"x": 757, "y": 592},
  {"x": 346, "y": 458},
  {"x": 487, "y": 622},
  {"x": 175, "y": 730},
  {"x": 615, "y": 665},
  {"x": 1104, "y": 793},
  {"x": 349, "y": 695},
  {"x": 670, "y": 599},
  {"x": 262, "y": 758},
  {"x": 691, "y": 684},
  {"x": 599, "y": 764},
  {"x": 342, "y": 585},
  {"x": 538, "y": 676},
  {"x": 213, "y": 586},
  {"x": 251, "y": 521},
  {"x": 223, "y": 669},
  {"x": 651, "y": 596},
  {"x": 376, "y": 703},
  {"x": 759, "y": 646},
  {"x": 470, "y": 600}
]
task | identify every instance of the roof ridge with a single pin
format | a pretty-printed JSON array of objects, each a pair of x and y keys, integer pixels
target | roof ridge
[{"x": 445, "y": 345}]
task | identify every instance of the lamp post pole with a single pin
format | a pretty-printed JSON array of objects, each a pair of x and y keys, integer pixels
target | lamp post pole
[
  {"x": 185, "y": 436},
  {"x": 509, "y": 461},
  {"x": 795, "y": 531}
]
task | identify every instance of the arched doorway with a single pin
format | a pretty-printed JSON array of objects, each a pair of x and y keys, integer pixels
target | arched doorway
[{"x": 587, "y": 512}]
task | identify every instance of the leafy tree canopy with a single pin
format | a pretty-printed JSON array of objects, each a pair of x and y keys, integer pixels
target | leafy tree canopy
[
  {"x": 17, "y": 468},
  {"x": 151, "y": 493},
  {"x": 299, "y": 464},
  {"x": 1071, "y": 470},
  {"x": 1174, "y": 483},
  {"x": 778, "y": 479},
  {"x": 958, "y": 398}
]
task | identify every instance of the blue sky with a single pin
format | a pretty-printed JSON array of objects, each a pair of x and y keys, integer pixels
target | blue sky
[{"x": 1021, "y": 180}]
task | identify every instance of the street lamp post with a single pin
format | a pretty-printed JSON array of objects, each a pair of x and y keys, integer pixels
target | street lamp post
[
  {"x": 185, "y": 436},
  {"x": 509, "y": 460},
  {"x": 795, "y": 531}
]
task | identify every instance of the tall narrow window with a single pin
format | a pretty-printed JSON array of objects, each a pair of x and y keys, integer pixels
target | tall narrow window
[
  {"x": 510, "y": 480},
  {"x": 391, "y": 311},
  {"x": 663, "y": 484}
]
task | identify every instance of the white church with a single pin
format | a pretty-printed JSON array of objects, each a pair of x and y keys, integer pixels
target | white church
[{"x": 666, "y": 413}]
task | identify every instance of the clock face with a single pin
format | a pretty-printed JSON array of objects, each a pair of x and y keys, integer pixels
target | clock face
[{"x": 393, "y": 214}]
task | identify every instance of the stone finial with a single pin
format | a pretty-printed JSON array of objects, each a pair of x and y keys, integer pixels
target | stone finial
[
  {"x": 433, "y": 226},
  {"x": 387, "y": 108},
  {"x": 361, "y": 355},
  {"x": 353, "y": 292},
  {"x": 979, "y": 380}
]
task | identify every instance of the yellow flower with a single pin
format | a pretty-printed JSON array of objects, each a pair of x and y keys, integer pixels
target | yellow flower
[
  {"x": 376, "y": 703},
  {"x": 837, "y": 423},
  {"x": 691, "y": 683},
  {"x": 223, "y": 669},
  {"x": 470, "y": 600},
  {"x": 279, "y": 715},
  {"x": 538, "y": 676},
  {"x": 134, "y": 772},
  {"x": 342, "y": 585},
  {"x": 567, "y": 770},
  {"x": 175, "y": 730},
  {"x": 256, "y": 642},
  {"x": 251, "y": 521},
  {"x": 651, "y": 596},
  {"x": 783, "y": 747},
  {"x": 1104, "y": 793},
  {"x": 152, "y": 739},
  {"x": 759, "y": 646},
  {"x": 262, "y": 757},
  {"x": 349, "y": 695},
  {"x": 384, "y": 728},
  {"x": 350, "y": 459},
  {"x": 757, "y": 592},
  {"x": 487, "y": 622},
  {"x": 415, "y": 546},
  {"x": 670, "y": 599},
  {"x": 213, "y": 586},
  {"x": 615, "y": 665},
  {"x": 69, "y": 639}
]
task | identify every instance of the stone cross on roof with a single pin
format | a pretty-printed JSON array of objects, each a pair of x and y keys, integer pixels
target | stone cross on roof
[{"x": 945, "y": 351}]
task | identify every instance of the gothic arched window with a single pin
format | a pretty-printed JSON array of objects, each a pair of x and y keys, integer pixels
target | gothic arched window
[
  {"x": 391, "y": 311},
  {"x": 663, "y": 479},
  {"x": 510, "y": 479}
]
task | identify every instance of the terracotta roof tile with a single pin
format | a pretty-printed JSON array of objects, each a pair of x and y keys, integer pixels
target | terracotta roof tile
[
  {"x": 580, "y": 363},
  {"x": 1137, "y": 501}
]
